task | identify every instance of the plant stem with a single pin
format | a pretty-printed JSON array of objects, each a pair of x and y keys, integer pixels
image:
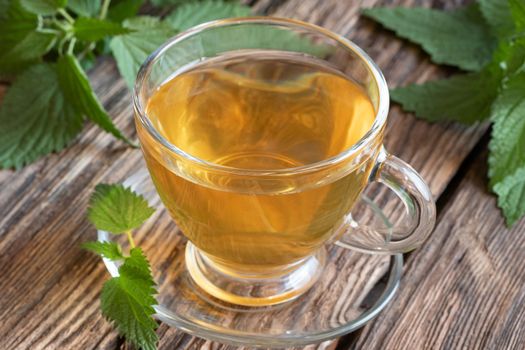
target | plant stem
[
  {"x": 60, "y": 25},
  {"x": 49, "y": 31},
  {"x": 87, "y": 49},
  {"x": 104, "y": 9},
  {"x": 71, "y": 46},
  {"x": 66, "y": 16},
  {"x": 130, "y": 239},
  {"x": 40, "y": 23},
  {"x": 61, "y": 44}
]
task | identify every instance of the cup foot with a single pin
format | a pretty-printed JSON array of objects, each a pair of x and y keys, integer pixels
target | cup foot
[{"x": 253, "y": 290}]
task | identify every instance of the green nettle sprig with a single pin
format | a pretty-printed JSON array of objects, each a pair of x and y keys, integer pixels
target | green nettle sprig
[
  {"x": 486, "y": 39},
  {"x": 46, "y": 47},
  {"x": 126, "y": 300}
]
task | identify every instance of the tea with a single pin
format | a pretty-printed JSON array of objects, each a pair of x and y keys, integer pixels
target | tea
[{"x": 266, "y": 112}]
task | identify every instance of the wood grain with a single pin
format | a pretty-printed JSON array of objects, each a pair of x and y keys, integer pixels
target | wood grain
[
  {"x": 464, "y": 289},
  {"x": 49, "y": 287}
]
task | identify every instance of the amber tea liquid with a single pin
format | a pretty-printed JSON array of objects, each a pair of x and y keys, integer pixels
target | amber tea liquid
[{"x": 257, "y": 111}]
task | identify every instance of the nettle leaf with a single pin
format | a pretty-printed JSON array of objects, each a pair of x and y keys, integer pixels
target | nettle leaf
[
  {"x": 507, "y": 146},
  {"x": 171, "y": 2},
  {"x": 464, "y": 98},
  {"x": 43, "y": 7},
  {"x": 193, "y": 13},
  {"x": 509, "y": 57},
  {"x": 35, "y": 117},
  {"x": 108, "y": 250},
  {"x": 77, "y": 89},
  {"x": 517, "y": 10},
  {"x": 15, "y": 26},
  {"x": 128, "y": 301},
  {"x": 458, "y": 38},
  {"x": 497, "y": 13},
  {"x": 4, "y": 7},
  {"x": 511, "y": 195},
  {"x": 86, "y": 8},
  {"x": 117, "y": 209},
  {"x": 137, "y": 267},
  {"x": 259, "y": 37},
  {"x": 119, "y": 10},
  {"x": 32, "y": 47},
  {"x": 131, "y": 50},
  {"x": 94, "y": 29},
  {"x": 145, "y": 23}
]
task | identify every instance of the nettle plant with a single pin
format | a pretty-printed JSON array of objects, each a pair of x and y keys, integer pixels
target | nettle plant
[
  {"x": 46, "y": 47},
  {"x": 487, "y": 40},
  {"x": 127, "y": 300}
]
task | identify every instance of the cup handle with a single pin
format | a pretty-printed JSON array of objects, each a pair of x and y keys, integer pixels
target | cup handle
[{"x": 412, "y": 190}]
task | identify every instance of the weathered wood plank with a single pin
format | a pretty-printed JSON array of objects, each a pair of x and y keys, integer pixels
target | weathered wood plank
[
  {"x": 50, "y": 287},
  {"x": 464, "y": 289}
]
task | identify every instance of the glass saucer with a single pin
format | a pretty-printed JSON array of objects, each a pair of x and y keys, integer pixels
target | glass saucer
[{"x": 352, "y": 290}]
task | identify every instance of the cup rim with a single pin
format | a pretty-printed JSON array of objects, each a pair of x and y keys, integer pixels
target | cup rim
[{"x": 369, "y": 136}]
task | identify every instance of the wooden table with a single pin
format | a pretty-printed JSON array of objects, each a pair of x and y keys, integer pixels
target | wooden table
[{"x": 463, "y": 289}]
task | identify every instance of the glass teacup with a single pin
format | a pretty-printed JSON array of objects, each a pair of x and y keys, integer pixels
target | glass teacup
[{"x": 260, "y": 135}]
